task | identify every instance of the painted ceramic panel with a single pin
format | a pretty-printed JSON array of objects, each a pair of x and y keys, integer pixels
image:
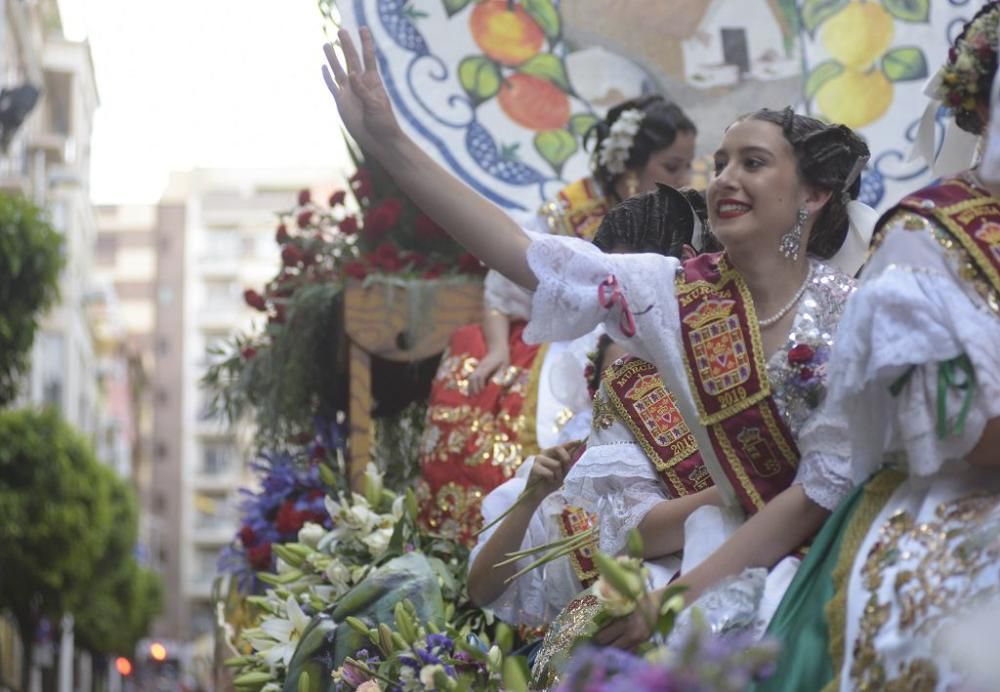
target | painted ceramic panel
[{"x": 501, "y": 91}]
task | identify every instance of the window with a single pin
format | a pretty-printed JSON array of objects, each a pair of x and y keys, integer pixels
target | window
[
  {"x": 222, "y": 244},
  {"x": 218, "y": 458},
  {"x": 221, "y": 293},
  {"x": 205, "y": 565},
  {"x": 213, "y": 512}
]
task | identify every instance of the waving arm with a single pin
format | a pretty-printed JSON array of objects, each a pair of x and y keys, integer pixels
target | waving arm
[{"x": 485, "y": 230}]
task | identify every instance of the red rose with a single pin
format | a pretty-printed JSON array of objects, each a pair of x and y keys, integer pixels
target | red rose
[
  {"x": 469, "y": 264},
  {"x": 254, "y": 299},
  {"x": 248, "y": 352},
  {"x": 304, "y": 197},
  {"x": 304, "y": 219},
  {"x": 425, "y": 228},
  {"x": 291, "y": 255},
  {"x": 259, "y": 556},
  {"x": 349, "y": 226},
  {"x": 806, "y": 374},
  {"x": 800, "y": 354},
  {"x": 281, "y": 235},
  {"x": 289, "y": 519},
  {"x": 386, "y": 257},
  {"x": 435, "y": 271},
  {"x": 361, "y": 183},
  {"x": 356, "y": 270},
  {"x": 338, "y": 198},
  {"x": 247, "y": 536},
  {"x": 382, "y": 218}
]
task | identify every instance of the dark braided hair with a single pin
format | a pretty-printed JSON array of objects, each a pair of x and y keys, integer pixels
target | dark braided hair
[
  {"x": 827, "y": 156},
  {"x": 660, "y": 221},
  {"x": 658, "y": 130}
]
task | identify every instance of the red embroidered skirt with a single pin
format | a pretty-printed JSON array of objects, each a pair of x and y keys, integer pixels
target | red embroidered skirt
[{"x": 472, "y": 444}]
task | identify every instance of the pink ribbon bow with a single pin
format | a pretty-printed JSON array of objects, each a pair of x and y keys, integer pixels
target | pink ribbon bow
[{"x": 610, "y": 292}]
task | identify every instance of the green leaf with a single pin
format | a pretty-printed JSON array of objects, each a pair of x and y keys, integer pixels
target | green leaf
[
  {"x": 453, "y": 7},
  {"x": 556, "y": 146},
  {"x": 820, "y": 75},
  {"x": 918, "y": 11},
  {"x": 904, "y": 64},
  {"x": 815, "y": 12},
  {"x": 480, "y": 77},
  {"x": 547, "y": 66},
  {"x": 581, "y": 123},
  {"x": 547, "y": 16},
  {"x": 515, "y": 674}
]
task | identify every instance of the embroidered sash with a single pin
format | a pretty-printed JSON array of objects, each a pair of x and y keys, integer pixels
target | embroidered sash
[
  {"x": 726, "y": 367},
  {"x": 573, "y": 521},
  {"x": 577, "y": 210},
  {"x": 644, "y": 405},
  {"x": 971, "y": 217}
]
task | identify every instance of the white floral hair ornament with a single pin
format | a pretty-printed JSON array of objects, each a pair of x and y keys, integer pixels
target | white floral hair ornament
[{"x": 617, "y": 146}]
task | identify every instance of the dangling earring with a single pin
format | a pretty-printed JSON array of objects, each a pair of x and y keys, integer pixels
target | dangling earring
[
  {"x": 792, "y": 241},
  {"x": 631, "y": 184}
]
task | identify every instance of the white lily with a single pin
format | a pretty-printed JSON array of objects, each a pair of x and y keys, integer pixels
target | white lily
[
  {"x": 276, "y": 638},
  {"x": 378, "y": 542}
]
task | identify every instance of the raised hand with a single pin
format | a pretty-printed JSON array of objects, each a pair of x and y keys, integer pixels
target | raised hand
[{"x": 357, "y": 88}]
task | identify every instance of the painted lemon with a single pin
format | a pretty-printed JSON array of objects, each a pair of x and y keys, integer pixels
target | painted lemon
[
  {"x": 858, "y": 35},
  {"x": 505, "y": 33},
  {"x": 855, "y": 98}
]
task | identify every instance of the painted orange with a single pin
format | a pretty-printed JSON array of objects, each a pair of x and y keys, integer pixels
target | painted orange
[
  {"x": 533, "y": 102},
  {"x": 509, "y": 36}
]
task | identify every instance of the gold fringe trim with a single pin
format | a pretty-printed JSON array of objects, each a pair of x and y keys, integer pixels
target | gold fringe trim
[
  {"x": 529, "y": 436},
  {"x": 876, "y": 493}
]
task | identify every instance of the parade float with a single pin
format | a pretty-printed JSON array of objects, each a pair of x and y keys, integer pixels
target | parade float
[{"x": 333, "y": 581}]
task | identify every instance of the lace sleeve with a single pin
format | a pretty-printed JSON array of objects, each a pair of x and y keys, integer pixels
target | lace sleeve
[
  {"x": 913, "y": 319},
  {"x": 825, "y": 467},
  {"x": 566, "y": 303},
  {"x": 614, "y": 479}
]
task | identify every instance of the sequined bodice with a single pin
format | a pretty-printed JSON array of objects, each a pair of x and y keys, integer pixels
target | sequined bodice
[{"x": 798, "y": 371}]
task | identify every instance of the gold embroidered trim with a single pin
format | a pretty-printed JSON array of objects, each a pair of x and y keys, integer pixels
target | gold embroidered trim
[
  {"x": 876, "y": 493},
  {"x": 529, "y": 434}
]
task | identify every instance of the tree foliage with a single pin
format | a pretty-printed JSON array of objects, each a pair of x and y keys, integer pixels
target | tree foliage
[
  {"x": 55, "y": 513},
  {"x": 117, "y": 610},
  {"x": 30, "y": 262}
]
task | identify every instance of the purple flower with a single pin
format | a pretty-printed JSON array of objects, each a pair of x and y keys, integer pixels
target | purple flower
[{"x": 439, "y": 641}]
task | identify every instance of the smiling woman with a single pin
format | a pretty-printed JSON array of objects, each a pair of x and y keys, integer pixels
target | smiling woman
[{"x": 698, "y": 322}]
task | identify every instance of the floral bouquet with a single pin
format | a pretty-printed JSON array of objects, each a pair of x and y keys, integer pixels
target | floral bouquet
[
  {"x": 293, "y": 485},
  {"x": 423, "y": 656}
]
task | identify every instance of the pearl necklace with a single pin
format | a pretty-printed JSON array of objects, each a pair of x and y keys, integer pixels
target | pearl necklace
[{"x": 767, "y": 322}]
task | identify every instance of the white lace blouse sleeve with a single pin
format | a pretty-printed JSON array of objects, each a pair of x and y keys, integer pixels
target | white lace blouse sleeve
[
  {"x": 615, "y": 480},
  {"x": 500, "y": 293},
  {"x": 825, "y": 466},
  {"x": 566, "y": 302},
  {"x": 915, "y": 331}
]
